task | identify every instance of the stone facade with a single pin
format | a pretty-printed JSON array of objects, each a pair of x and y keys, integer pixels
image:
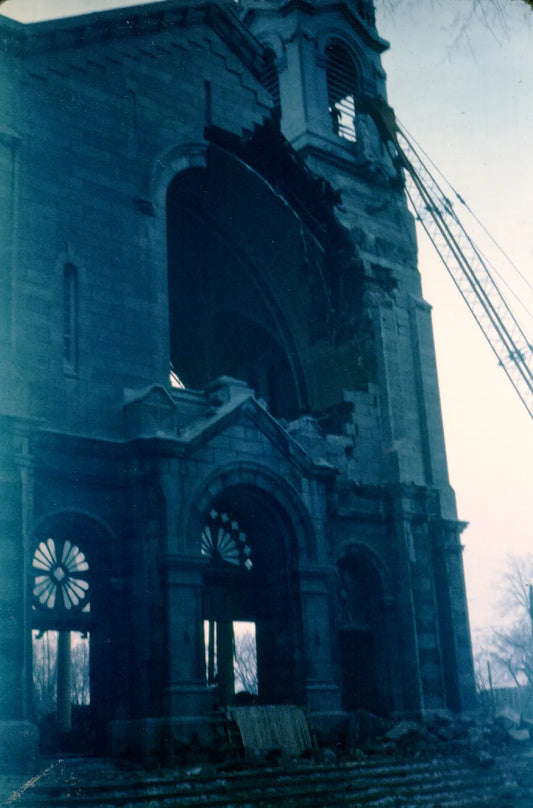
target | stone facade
[{"x": 178, "y": 191}]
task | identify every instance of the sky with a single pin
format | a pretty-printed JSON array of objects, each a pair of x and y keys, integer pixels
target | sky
[
  {"x": 463, "y": 87},
  {"x": 460, "y": 78}
]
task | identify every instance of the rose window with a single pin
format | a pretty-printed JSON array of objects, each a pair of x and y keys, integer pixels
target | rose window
[
  {"x": 222, "y": 540},
  {"x": 60, "y": 580}
]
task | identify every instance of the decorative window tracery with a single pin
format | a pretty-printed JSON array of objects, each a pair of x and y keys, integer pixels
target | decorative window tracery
[
  {"x": 224, "y": 542},
  {"x": 60, "y": 578},
  {"x": 342, "y": 89}
]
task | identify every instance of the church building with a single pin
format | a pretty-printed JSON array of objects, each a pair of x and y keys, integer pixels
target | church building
[{"x": 219, "y": 409}]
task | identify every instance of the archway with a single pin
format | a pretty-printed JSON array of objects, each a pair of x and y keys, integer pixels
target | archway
[
  {"x": 69, "y": 656},
  {"x": 364, "y": 655},
  {"x": 250, "y": 577},
  {"x": 229, "y": 282}
]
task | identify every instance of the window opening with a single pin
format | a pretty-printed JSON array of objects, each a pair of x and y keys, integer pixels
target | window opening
[
  {"x": 245, "y": 658},
  {"x": 60, "y": 577},
  {"x": 223, "y": 541},
  {"x": 60, "y": 675},
  {"x": 234, "y": 644},
  {"x": 342, "y": 90},
  {"x": 70, "y": 317}
]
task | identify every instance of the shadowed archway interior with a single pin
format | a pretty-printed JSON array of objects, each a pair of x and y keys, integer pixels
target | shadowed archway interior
[
  {"x": 227, "y": 265},
  {"x": 252, "y": 577}
]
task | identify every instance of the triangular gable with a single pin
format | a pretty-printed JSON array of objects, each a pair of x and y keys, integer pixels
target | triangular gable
[{"x": 250, "y": 413}]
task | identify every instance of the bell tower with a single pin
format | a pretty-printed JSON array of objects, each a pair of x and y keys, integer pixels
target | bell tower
[
  {"x": 326, "y": 57},
  {"x": 327, "y": 75}
]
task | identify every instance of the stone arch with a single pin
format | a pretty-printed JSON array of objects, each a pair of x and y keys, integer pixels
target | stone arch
[
  {"x": 224, "y": 268},
  {"x": 343, "y": 82},
  {"x": 268, "y": 521},
  {"x": 351, "y": 43},
  {"x": 364, "y": 629},
  {"x": 83, "y": 528},
  {"x": 242, "y": 474},
  {"x": 69, "y": 585},
  {"x": 170, "y": 162},
  {"x": 364, "y": 551}
]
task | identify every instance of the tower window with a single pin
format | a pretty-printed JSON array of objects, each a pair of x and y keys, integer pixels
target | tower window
[
  {"x": 342, "y": 89},
  {"x": 70, "y": 317}
]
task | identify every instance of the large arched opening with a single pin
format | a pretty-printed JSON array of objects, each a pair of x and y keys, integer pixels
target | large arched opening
[
  {"x": 233, "y": 250},
  {"x": 363, "y": 637},
  {"x": 70, "y": 648},
  {"x": 251, "y": 579}
]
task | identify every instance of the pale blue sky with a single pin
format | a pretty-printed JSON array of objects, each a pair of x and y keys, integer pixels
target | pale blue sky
[
  {"x": 468, "y": 99},
  {"x": 466, "y": 94}
]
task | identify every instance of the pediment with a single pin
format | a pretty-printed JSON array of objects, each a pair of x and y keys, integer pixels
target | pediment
[{"x": 252, "y": 417}]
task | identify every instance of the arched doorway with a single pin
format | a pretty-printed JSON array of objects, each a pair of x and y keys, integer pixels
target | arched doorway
[
  {"x": 364, "y": 655},
  {"x": 69, "y": 657},
  {"x": 251, "y": 578}
]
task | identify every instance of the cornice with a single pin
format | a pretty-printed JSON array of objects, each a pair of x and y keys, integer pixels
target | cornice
[
  {"x": 130, "y": 23},
  {"x": 313, "y": 8}
]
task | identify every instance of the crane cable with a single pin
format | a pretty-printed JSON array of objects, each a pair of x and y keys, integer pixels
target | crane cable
[{"x": 471, "y": 274}]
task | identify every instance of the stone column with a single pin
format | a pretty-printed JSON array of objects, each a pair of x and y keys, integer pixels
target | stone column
[
  {"x": 452, "y": 607},
  {"x": 187, "y": 691},
  {"x": 64, "y": 682},
  {"x": 323, "y": 694},
  {"x": 18, "y": 736},
  {"x": 226, "y": 679},
  {"x": 408, "y": 662}
]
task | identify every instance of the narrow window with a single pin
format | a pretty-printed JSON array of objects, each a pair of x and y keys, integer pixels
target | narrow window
[
  {"x": 342, "y": 89},
  {"x": 70, "y": 318}
]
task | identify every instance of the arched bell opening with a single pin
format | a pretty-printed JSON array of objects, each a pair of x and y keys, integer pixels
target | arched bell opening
[
  {"x": 364, "y": 654},
  {"x": 227, "y": 282},
  {"x": 250, "y": 583},
  {"x": 343, "y": 89},
  {"x": 69, "y": 655}
]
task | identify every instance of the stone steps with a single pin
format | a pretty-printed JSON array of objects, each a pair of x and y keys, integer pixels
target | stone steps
[{"x": 384, "y": 783}]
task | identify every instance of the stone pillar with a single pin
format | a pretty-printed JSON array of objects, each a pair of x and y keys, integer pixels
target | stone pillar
[
  {"x": 456, "y": 647},
  {"x": 322, "y": 692},
  {"x": 188, "y": 701},
  {"x": 18, "y": 737},
  {"x": 408, "y": 662},
  {"x": 226, "y": 679},
  {"x": 187, "y": 691},
  {"x": 64, "y": 682}
]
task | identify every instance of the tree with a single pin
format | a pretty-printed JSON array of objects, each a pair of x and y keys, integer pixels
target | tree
[
  {"x": 81, "y": 692},
  {"x": 44, "y": 671},
  {"x": 513, "y": 639},
  {"x": 508, "y": 647},
  {"x": 491, "y": 13},
  {"x": 245, "y": 663}
]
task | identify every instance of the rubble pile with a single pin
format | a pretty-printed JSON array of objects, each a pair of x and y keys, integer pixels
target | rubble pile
[{"x": 478, "y": 740}]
